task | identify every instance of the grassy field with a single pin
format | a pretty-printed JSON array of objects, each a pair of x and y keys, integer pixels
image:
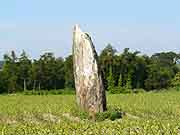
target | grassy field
[{"x": 146, "y": 113}]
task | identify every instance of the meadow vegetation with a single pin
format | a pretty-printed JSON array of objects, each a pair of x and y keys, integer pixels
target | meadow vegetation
[{"x": 141, "y": 113}]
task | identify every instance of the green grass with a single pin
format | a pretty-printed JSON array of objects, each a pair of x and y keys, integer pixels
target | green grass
[{"x": 145, "y": 113}]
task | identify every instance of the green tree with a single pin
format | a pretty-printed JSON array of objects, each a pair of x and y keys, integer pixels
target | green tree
[
  {"x": 69, "y": 75},
  {"x": 120, "y": 81},
  {"x": 110, "y": 80},
  {"x": 3, "y": 82},
  {"x": 60, "y": 73},
  {"x": 176, "y": 80},
  {"x": 129, "y": 81},
  {"x": 120, "y": 87},
  {"x": 25, "y": 66},
  {"x": 49, "y": 72},
  {"x": 106, "y": 61},
  {"x": 34, "y": 76},
  {"x": 158, "y": 77},
  {"x": 10, "y": 70}
]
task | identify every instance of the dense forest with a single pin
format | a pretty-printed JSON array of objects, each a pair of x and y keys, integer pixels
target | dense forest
[{"x": 121, "y": 71}]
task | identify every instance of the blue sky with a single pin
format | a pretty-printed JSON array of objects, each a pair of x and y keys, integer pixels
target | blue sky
[{"x": 38, "y": 26}]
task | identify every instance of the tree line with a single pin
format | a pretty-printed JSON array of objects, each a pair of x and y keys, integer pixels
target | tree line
[{"x": 121, "y": 71}]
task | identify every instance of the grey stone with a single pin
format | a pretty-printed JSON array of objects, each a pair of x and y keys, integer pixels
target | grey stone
[{"x": 90, "y": 92}]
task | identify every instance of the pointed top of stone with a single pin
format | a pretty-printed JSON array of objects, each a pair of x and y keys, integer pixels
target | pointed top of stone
[{"x": 77, "y": 28}]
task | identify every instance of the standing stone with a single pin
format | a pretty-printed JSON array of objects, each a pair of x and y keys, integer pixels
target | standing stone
[{"x": 90, "y": 91}]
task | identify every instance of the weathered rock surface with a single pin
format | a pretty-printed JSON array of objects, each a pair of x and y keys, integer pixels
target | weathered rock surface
[{"x": 90, "y": 91}]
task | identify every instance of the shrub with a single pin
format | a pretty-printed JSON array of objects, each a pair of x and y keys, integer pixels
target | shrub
[
  {"x": 115, "y": 115},
  {"x": 110, "y": 80},
  {"x": 50, "y": 92},
  {"x": 138, "y": 90},
  {"x": 112, "y": 113},
  {"x": 176, "y": 81},
  {"x": 78, "y": 112},
  {"x": 119, "y": 90}
]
